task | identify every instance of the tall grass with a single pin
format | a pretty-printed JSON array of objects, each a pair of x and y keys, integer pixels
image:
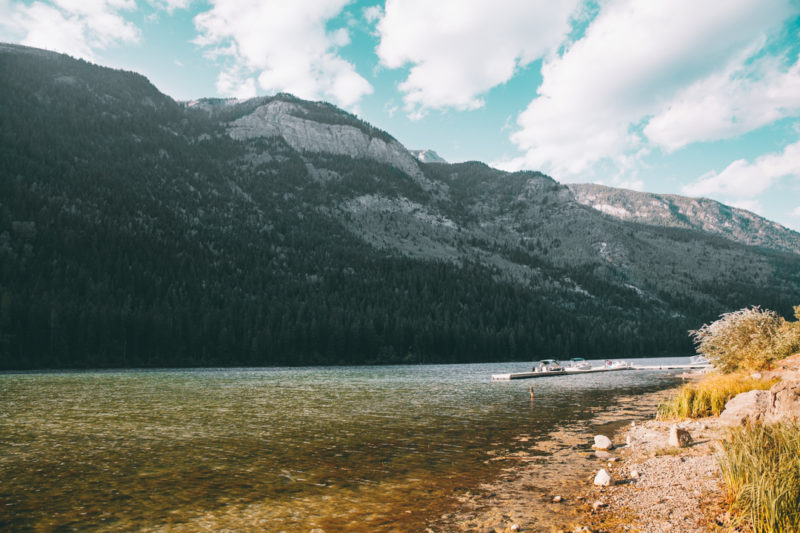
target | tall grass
[
  {"x": 708, "y": 396},
  {"x": 761, "y": 468}
]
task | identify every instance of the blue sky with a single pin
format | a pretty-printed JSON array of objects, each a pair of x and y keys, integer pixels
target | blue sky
[{"x": 679, "y": 96}]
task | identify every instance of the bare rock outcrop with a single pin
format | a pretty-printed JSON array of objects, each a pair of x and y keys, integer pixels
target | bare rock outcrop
[{"x": 284, "y": 119}]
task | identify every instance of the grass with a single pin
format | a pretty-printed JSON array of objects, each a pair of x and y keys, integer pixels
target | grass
[
  {"x": 760, "y": 465},
  {"x": 709, "y": 396}
]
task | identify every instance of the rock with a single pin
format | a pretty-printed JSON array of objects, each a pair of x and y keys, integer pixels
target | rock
[
  {"x": 784, "y": 402},
  {"x": 679, "y": 438},
  {"x": 597, "y": 505},
  {"x": 603, "y": 478},
  {"x": 601, "y": 454},
  {"x": 745, "y": 407},
  {"x": 634, "y": 474},
  {"x": 601, "y": 442},
  {"x": 514, "y": 527},
  {"x": 557, "y": 499},
  {"x": 282, "y": 118}
]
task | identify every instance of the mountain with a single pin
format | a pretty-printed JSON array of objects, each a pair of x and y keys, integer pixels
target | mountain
[
  {"x": 140, "y": 231},
  {"x": 700, "y": 214},
  {"x": 427, "y": 156}
]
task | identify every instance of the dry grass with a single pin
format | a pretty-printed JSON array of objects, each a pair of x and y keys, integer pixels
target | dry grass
[
  {"x": 709, "y": 396},
  {"x": 760, "y": 465}
]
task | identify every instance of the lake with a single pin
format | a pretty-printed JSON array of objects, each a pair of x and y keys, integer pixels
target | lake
[{"x": 292, "y": 449}]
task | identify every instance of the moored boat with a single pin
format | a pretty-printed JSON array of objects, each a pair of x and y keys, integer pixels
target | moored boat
[{"x": 577, "y": 364}]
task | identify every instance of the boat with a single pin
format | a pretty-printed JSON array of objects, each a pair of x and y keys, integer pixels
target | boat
[
  {"x": 618, "y": 365},
  {"x": 577, "y": 364},
  {"x": 548, "y": 366}
]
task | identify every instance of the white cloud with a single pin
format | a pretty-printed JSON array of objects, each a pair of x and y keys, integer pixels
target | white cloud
[
  {"x": 459, "y": 50},
  {"x": 727, "y": 104},
  {"x": 234, "y": 83},
  {"x": 75, "y": 27},
  {"x": 633, "y": 61},
  {"x": 284, "y": 45},
  {"x": 754, "y": 206},
  {"x": 742, "y": 180},
  {"x": 372, "y": 14},
  {"x": 796, "y": 211},
  {"x": 171, "y": 5}
]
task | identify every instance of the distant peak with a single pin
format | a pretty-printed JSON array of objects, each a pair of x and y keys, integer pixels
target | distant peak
[{"x": 427, "y": 156}]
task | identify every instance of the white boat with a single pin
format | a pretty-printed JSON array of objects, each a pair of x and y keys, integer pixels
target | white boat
[
  {"x": 618, "y": 365},
  {"x": 548, "y": 366},
  {"x": 577, "y": 364}
]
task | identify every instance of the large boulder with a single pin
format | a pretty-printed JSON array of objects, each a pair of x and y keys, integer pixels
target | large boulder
[
  {"x": 745, "y": 407},
  {"x": 784, "y": 402}
]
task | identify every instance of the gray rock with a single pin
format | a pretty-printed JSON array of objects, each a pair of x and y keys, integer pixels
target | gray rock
[
  {"x": 634, "y": 474},
  {"x": 602, "y": 454},
  {"x": 601, "y": 442},
  {"x": 603, "y": 478},
  {"x": 283, "y": 119},
  {"x": 745, "y": 407},
  {"x": 679, "y": 438},
  {"x": 557, "y": 499}
]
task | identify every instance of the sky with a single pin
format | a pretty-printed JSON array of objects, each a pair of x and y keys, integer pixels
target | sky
[{"x": 674, "y": 96}]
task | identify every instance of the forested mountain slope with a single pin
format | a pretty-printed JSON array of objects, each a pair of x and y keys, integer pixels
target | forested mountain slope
[{"x": 139, "y": 231}]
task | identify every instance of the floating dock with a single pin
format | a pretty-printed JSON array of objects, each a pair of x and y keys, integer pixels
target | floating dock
[
  {"x": 690, "y": 366},
  {"x": 531, "y": 375}
]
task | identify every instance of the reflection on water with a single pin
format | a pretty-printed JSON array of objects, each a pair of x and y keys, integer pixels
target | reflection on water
[{"x": 357, "y": 449}]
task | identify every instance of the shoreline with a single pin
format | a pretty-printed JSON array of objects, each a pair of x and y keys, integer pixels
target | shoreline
[
  {"x": 660, "y": 488},
  {"x": 546, "y": 489},
  {"x": 657, "y": 487}
]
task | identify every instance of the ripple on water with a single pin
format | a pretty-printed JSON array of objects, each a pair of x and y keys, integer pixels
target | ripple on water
[{"x": 336, "y": 448}]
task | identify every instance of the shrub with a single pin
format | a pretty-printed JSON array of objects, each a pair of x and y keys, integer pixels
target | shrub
[
  {"x": 748, "y": 339},
  {"x": 760, "y": 466},
  {"x": 709, "y": 396}
]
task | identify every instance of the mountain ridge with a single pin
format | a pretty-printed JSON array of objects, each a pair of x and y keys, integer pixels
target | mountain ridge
[{"x": 137, "y": 231}]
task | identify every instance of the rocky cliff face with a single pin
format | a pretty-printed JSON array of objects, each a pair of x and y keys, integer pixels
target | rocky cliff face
[
  {"x": 285, "y": 119},
  {"x": 691, "y": 213}
]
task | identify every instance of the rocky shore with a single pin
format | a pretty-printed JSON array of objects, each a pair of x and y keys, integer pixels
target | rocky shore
[
  {"x": 547, "y": 488},
  {"x": 664, "y": 475}
]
